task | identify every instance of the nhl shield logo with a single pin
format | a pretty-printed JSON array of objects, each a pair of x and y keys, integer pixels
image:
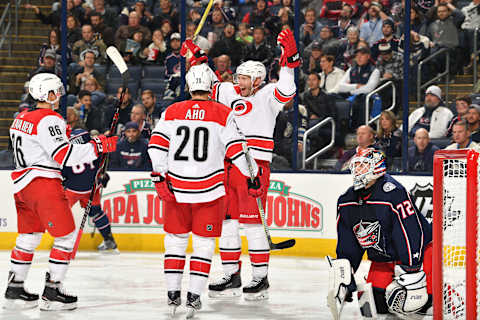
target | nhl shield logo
[
  {"x": 423, "y": 199},
  {"x": 209, "y": 227}
]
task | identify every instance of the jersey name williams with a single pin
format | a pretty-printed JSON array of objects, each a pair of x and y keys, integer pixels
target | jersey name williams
[{"x": 22, "y": 125}]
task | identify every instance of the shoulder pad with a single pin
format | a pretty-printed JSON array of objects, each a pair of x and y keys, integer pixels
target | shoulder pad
[{"x": 389, "y": 186}]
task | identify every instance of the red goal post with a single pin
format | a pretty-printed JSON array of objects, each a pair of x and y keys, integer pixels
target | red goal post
[{"x": 455, "y": 219}]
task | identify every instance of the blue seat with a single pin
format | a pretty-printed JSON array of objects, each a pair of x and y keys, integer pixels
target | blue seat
[
  {"x": 153, "y": 72},
  {"x": 114, "y": 84},
  {"x": 135, "y": 73},
  {"x": 157, "y": 86},
  {"x": 101, "y": 68}
]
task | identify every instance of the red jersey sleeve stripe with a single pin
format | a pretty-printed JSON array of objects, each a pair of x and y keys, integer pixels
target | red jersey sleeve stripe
[
  {"x": 234, "y": 149},
  {"x": 160, "y": 141},
  {"x": 281, "y": 97},
  {"x": 60, "y": 155},
  {"x": 196, "y": 185},
  {"x": 265, "y": 144}
]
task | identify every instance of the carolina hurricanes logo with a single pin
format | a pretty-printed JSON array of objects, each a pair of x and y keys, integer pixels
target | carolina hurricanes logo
[
  {"x": 368, "y": 234},
  {"x": 241, "y": 107}
]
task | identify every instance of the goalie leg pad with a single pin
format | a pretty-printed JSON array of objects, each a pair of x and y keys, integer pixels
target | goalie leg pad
[
  {"x": 341, "y": 284},
  {"x": 366, "y": 301}
]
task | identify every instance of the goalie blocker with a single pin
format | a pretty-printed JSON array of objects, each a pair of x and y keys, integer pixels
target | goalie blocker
[{"x": 376, "y": 215}]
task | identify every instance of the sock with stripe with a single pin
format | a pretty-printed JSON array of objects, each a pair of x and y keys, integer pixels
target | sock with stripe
[
  {"x": 22, "y": 254},
  {"x": 230, "y": 245},
  {"x": 60, "y": 256},
  {"x": 175, "y": 247},
  {"x": 101, "y": 221},
  {"x": 258, "y": 249},
  {"x": 200, "y": 262}
]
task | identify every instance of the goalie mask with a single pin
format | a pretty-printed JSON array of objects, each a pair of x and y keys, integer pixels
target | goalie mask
[
  {"x": 252, "y": 69},
  {"x": 42, "y": 84},
  {"x": 199, "y": 78},
  {"x": 366, "y": 167}
]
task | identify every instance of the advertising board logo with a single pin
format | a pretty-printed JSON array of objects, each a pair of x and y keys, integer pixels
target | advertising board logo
[
  {"x": 3, "y": 222},
  {"x": 423, "y": 199}
]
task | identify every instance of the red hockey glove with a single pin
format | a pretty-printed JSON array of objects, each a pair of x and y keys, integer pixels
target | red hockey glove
[
  {"x": 163, "y": 188},
  {"x": 69, "y": 131},
  {"x": 193, "y": 52},
  {"x": 103, "y": 144},
  {"x": 258, "y": 187},
  {"x": 290, "y": 56}
]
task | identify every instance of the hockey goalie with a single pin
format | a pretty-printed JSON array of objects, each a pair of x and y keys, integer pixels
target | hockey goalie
[{"x": 376, "y": 215}]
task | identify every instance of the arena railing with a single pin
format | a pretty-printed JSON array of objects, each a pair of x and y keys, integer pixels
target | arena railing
[
  {"x": 445, "y": 74},
  {"x": 367, "y": 101},
  {"x": 476, "y": 52},
  {"x": 5, "y": 26},
  {"x": 314, "y": 156}
]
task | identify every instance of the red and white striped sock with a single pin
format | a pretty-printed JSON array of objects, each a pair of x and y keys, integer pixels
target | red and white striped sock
[
  {"x": 230, "y": 246},
  {"x": 58, "y": 263},
  {"x": 258, "y": 249},
  {"x": 200, "y": 263},
  {"x": 22, "y": 255},
  {"x": 174, "y": 263}
]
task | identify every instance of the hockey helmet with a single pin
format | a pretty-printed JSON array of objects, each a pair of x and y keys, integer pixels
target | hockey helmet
[
  {"x": 252, "y": 69},
  {"x": 367, "y": 166},
  {"x": 199, "y": 78},
  {"x": 42, "y": 84}
]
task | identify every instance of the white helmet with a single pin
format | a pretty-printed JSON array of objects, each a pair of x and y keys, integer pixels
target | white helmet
[
  {"x": 41, "y": 84},
  {"x": 199, "y": 78},
  {"x": 366, "y": 166},
  {"x": 252, "y": 69}
]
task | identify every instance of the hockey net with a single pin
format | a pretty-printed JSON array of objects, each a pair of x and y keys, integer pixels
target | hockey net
[{"x": 455, "y": 248}]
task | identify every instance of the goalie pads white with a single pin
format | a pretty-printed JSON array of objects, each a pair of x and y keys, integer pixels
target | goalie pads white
[
  {"x": 408, "y": 291},
  {"x": 341, "y": 284},
  {"x": 366, "y": 301}
]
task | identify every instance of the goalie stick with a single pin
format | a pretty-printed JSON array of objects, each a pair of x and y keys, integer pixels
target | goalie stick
[
  {"x": 117, "y": 59},
  {"x": 273, "y": 246}
]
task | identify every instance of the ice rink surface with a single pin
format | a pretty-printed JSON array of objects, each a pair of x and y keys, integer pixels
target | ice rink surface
[{"x": 132, "y": 286}]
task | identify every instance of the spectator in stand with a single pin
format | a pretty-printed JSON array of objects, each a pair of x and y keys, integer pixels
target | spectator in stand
[
  {"x": 167, "y": 29},
  {"x": 98, "y": 95},
  {"x": 420, "y": 155},
  {"x": 344, "y": 21},
  {"x": 359, "y": 80},
  {"x": 425, "y": 5},
  {"x": 109, "y": 16},
  {"x": 73, "y": 118},
  {"x": 131, "y": 48},
  {"x": 92, "y": 116},
  {"x": 390, "y": 65},
  {"x": 461, "y": 137},
  {"x": 131, "y": 152},
  {"x": 243, "y": 34},
  {"x": 155, "y": 52},
  {"x": 228, "y": 45},
  {"x": 139, "y": 115},
  {"x": 152, "y": 110},
  {"x": 172, "y": 62},
  {"x": 310, "y": 30},
  {"x": 444, "y": 33},
  {"x": 55, "y": 45},
  {"x": 365, "y": 140},
  {"x": 73, "y": 31},
  {"x": 167, "y": 12},
  {"x": 389, "y": 137},
  {"x": 419, "y": 49},
  {"x": 329, "y": 43},
  {"x": 54, "y": 17},
  {"x": 259, "y": 50},
  {"x": 371, "y": 29},
  {"x": 461, "y": 105},
  {"x": 87, "y": 69},
  {"x": 49, "y": 64},
  {"x": 214, "y": 27},
  {"x": 330, "y": 76},
  {"x": 257, "y": 16},
  {"x": 125, "y": 108},
  {"x": 388, "y": 31},
  {"x": 472, "y": 21},
  {"x": 88, "y": 42},
  {"x": 200, "y": 40},
  {"x": 473, "y": 120},
  {"x": 101, "y": 30},
  {"x": 346, "y": 51},
  {"x": 286, "y": 16},
  {"x": 332, "y": 10},
  {"x": 222, "y": 68},
  {"x": 417, "y": 24},
  {"x": 127, "y": 31},
  {"x": 313, "y": 59},
  {"x": 433, "y": 117},
  {"x": 145, "y": 16}
]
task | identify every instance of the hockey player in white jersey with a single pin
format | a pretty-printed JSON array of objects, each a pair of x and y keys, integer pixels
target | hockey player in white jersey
[
  {"x": 41, "y": 148},
  {"x": 256, "y": 106},
  {"x": 187, "y": 148}
]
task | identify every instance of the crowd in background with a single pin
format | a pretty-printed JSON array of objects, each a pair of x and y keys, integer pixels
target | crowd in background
[{"x": 348, "y": 49}]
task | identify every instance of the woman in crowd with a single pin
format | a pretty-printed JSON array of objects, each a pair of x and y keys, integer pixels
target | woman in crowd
[
  {"x": 389, "y": 137},
  {"x": 330, "y": 75}
]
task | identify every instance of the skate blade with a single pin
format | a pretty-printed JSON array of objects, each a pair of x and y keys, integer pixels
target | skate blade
[
  {"x": 225, "y": 294},
  {"x": 171, "y": 310},
  {"x": 190, "y": 313},
  {"x": 46, "y": 305},
  {"x": 18, "y": 304},
  {"x": 109, "y": 251},
  {"x": 262, "y": 295}
]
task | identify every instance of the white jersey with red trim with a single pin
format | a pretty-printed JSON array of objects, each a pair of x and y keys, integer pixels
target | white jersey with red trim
[
  {"x": 256, "y": 115},
  {"x": 41, "y": 147},
  {"x": 189, "y": 145}
]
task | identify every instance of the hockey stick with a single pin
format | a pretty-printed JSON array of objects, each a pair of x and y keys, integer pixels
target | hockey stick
[
  {"x": 202, "y": 21},
  {"x": 117, "y": 59},
  {"x": 273, "y": 246}
]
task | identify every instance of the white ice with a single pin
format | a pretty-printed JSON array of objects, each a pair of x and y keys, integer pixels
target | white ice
[{"x": 132, "y": 286}]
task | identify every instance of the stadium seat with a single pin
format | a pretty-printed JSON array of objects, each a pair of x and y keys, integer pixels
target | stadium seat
[
  {"x": 114, "y": 84},
  {"x": 157, "y": 86},
  {"x": 101, "y": 68},
  {"x": 153, "y": 72},
  {"x": 135, "y": 72}
]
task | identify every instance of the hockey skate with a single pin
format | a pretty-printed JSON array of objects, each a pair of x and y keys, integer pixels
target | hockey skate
[
  {"x": 108, "y": 246},
  {"x": 257, "y": 289},
  {"x": 54, "y": 297},
  {"x": 227, "y": 287},
  {"x": 193, "y": 304},
  {"x": 174, "y": 301},
  {"x": 16, "y": 298}
]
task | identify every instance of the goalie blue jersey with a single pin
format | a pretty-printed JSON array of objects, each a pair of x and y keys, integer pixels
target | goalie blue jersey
[
  {"x": 80, "y": 177},
  {"x": 384, "y": 222}
]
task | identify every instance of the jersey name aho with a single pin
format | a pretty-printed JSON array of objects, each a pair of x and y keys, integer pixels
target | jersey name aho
[
  {"x": 41, "y": 148},
  {"x": 256, "y": 114},
  {"x": 189, "y": 145}
]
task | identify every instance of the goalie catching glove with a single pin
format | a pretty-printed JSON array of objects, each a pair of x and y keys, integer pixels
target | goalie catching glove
[
  {"x": 193, "y": 53},
  {"x": 290, "y": 56},
  {"x": 102, "y": 144},
  {"x": 408, "y": 291},
  {"x": 341, "y": 284},
  {"x": 163, "y": 188},
  {"x": 258, "y": 186}
]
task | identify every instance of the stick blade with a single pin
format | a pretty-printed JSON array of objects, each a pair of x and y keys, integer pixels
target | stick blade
[
  {"x": 283, "y": 245},
  {"x": 117, "y": 59}
]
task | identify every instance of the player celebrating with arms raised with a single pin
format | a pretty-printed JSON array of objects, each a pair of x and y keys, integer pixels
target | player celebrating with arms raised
[
  {"x": 377, "y": 215},
  {"x": 41, "y": 148},
  {"x": 187, "y": 149}
]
